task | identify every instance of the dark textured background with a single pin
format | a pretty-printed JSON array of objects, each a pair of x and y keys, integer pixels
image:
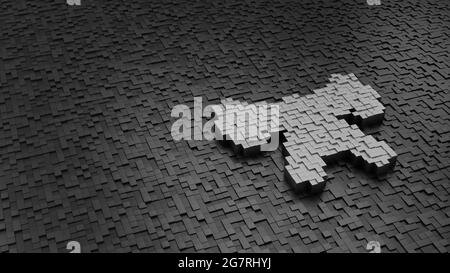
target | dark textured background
[{"x": 86, "y": 152}]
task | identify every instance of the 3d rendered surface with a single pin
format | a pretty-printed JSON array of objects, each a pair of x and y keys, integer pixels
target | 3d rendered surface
[
  {"x": 314, "y": 132},
  {"x": 88, "y": 162}
]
